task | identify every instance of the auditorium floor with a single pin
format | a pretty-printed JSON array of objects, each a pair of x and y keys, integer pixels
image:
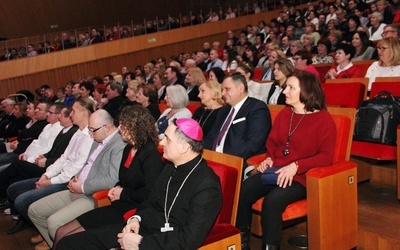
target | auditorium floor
[{"x": 379, "y": 221}]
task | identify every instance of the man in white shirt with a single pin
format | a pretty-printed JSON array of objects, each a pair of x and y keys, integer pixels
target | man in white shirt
[
  {"x": 100, "y": 171},
  {"x": 37, "y": 147},
  {"x": 45, "y": 141}
]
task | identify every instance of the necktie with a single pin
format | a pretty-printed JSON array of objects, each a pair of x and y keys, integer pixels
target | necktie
[{"x": 224, "y": 129}]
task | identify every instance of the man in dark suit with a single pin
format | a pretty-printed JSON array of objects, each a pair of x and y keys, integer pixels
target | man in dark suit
[
  {"x": 173, "y": 77},
  {"x": 114, "y": 100},
  {"x": 246, "y": 121}
]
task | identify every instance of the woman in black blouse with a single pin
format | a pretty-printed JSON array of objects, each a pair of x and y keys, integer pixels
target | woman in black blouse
[
  {"x": 140, "y": 166},
  {"x": 211, "y": 98}
]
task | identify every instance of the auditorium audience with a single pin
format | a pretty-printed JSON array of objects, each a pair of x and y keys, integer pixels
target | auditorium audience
[
  {"x": 139, "y": 169},
  {"x": 22, "y": 193},
  {"x": 17, "y": 124}
]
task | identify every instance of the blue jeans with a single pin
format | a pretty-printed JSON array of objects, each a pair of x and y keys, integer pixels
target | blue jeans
[{"x": 23, "y": 193}]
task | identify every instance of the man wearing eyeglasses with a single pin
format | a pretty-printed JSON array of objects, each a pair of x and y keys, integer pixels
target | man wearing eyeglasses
[
  {"x": 390, "y": 30},
  {"x": 98, "y": 173},
  {"x": 39, "y": 146},
  {"x": 23, "y": 193}
]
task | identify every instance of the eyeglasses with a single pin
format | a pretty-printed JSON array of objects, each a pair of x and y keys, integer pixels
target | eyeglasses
[
  {"x": 385, "y": 32},
  {"x": 382, "y": 48},
  {"x": 296, "y": 58},
  {"x": 93, "y": 130}
]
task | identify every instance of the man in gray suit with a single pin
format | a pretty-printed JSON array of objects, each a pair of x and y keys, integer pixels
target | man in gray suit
[{"x": 100, "y": 172}]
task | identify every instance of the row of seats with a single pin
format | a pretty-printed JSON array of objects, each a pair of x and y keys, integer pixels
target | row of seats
[{"x": 326, "y": 186}]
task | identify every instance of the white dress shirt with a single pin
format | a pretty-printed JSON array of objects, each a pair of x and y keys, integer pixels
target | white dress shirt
[
  {"x": 43, "y": 143},
  {"x": 73, "y": 158}
]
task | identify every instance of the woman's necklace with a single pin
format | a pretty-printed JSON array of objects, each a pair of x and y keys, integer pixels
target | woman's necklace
[
  {"x": 205, "y": 120},
  {"x": 286, "y": 151}
]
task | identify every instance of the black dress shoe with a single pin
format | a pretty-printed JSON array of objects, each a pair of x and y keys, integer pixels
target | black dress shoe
[{"x": 19, "y": 226}]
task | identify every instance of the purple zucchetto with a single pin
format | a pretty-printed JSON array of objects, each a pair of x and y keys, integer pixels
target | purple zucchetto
[{"x": 190, "y": 128}]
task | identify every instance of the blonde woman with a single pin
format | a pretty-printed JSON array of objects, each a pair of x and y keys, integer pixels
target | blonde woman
[
  {"x": 194, "y": 78},
  {"x": 148, "y": 72},
  {"x": 389, "y": 60},
  {"x": 211, "y": 98}
]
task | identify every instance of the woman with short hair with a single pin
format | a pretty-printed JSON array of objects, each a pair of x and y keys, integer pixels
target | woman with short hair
[
  {"x": 176, "y": 99},
  {"x": 324, "y": 50},
  {"x": 344, "y": 68},
  {"x": 376, "y": 29},
  {"x": 147, "y": 97}
]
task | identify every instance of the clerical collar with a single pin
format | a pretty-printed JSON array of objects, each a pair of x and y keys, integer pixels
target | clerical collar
[{"x": 189, "y": 165}]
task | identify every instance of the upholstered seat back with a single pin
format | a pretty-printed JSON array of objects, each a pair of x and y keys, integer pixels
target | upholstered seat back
[
  {"x": 228, "y": 177},
  {"x": 348, "y": 95},
  {"x": 392, "y": 87},
  {"x": 343, "y": 127}
]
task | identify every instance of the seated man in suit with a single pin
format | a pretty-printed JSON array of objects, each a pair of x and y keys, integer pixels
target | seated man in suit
[
  {"x": 99, "y": 172},
  {"x": 241, "y": 128},
  {"x": 187, "y": 191}
]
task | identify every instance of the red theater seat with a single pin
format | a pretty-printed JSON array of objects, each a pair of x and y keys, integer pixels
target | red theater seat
[
  {"x": 331, "y": 194},
  {"x": 224, "y": 233}
]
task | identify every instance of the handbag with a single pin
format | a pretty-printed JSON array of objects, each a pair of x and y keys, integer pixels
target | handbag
[{"x": 269, "y": 177}]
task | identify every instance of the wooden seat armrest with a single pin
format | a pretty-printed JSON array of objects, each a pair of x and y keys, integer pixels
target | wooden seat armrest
[
  {"x": 101, "y": 198},
  {"x": 332, "y": 206},
  {"x": 338, "y": 167}
]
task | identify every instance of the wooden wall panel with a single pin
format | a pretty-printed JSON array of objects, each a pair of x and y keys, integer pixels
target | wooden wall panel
[
  {"x": 58, "y": 68},
  {"x": 22, "y": 18}
]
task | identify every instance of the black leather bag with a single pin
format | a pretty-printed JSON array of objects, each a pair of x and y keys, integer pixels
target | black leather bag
[{"x": 377, "y": 119}]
